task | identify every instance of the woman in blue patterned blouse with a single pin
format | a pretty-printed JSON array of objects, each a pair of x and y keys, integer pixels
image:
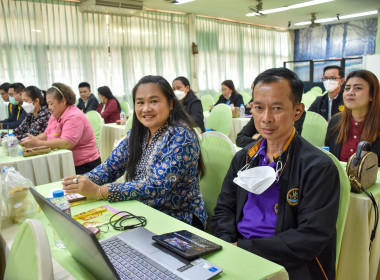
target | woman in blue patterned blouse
[{"x": 160, "y": 154}]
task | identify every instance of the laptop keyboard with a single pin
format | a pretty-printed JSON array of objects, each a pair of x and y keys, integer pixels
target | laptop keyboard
[{"x": 131, "y": 264}]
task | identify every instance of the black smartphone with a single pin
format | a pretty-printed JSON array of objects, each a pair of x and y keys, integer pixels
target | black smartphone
[{"x": 186, "y": 244}]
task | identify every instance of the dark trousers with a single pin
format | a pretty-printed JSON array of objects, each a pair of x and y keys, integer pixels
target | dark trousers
[{"x": 87, "y": 167}]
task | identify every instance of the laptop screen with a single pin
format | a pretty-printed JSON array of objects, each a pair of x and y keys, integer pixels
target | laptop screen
[{"x": 81, "y": 242}]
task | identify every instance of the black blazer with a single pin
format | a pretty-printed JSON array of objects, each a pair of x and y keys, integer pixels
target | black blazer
[
  {"x": 335, "y": 148},
  {"x": 235, "y": 99},
  {"x": 193, "y": 107},
  {"x": 321, "y": 105},
  {"x": 92, "y": 104}
]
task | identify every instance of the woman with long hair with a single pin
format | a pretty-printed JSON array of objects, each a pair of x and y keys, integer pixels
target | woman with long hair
[
  {"x": 38, "y": 114},
  {"x": 230, "y": 95},
  {"x": 189, "y": 100},
  {"x": 109, "y": 108},
  {"x": 360, "y": 119},
  {"x": 160, "y": 154}
]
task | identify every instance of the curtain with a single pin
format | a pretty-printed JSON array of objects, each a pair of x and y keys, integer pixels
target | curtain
[
  {"x": 237, "y": 52},
  {"x": 153, "y": 43},
  {"x": 43, "y": 42}
]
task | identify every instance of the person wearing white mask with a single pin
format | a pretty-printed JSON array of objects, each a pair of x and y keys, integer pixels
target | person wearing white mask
[
  {"x": 331, "y": 103},
  {"x": 189, "y": 100},
  {"x": 18, "y": 114},
  {"x": 38, "y": 114},
  {"x": 280, "y": 196}
]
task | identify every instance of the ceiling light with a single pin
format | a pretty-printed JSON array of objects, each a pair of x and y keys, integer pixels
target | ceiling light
[
  {"x": 285, "y": 8},
  {"x": 179, "y": 2},
  {"x": 340, "y": 17}
]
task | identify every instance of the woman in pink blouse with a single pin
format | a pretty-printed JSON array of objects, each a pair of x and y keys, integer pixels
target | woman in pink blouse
[
  {"x": 109, "y": 109},
  {"x": 68, "y": 128}
]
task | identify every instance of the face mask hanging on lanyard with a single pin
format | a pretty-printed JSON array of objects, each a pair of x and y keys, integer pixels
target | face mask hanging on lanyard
[{"x": 258, "y": 179}]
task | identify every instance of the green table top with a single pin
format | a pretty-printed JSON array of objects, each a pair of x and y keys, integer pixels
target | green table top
[
  {"x": 8, "y": 159},
  {"x": 235, "y": 262}
]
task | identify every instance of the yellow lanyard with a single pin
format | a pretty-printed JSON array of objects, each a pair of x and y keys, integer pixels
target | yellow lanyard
[{"x": 19, "y": 109}]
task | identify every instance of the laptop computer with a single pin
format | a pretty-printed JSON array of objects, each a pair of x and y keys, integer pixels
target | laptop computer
[{"x": 129, "y": 255}]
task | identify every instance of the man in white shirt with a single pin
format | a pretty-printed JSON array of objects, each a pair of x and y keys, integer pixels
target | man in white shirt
[
  {"x": 4, "y": 101},
  {"x": 329, "y": 104}
]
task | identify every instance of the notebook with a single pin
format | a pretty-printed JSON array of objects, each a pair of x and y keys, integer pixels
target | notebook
[{"x": 129, "y": 255}]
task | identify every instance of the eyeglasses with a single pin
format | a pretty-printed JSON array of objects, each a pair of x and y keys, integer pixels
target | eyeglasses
[{"x": 330, "y": 78}]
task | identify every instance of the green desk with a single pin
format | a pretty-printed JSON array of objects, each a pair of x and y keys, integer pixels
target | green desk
[
  {"x": 42, "y": 169},
  {"x": 356, "y": 262},
  {"x": 236, "y": 263}
]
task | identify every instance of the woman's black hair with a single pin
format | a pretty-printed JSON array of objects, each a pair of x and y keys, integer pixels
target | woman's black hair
[
  {"x": 230, "y": 85},
  {"x": 178, "y": 117},
  {"x": 107, "y": 93},
  {"x": 183, "y": 80},
  {"x": 34, "y": 93}
]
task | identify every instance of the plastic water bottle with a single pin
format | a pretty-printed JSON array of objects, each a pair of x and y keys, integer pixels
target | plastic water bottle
[
  {"x": 122, "y": 117},
  {"x": 242, "y": 111},
  {"x": 62, "y": 203},
  {"x": 12, "y": 145}
]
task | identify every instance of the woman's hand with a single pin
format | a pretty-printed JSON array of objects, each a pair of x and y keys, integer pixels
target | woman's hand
[
  {"x": 30, "y": 141},
  {"x": 82, "y": 185}
]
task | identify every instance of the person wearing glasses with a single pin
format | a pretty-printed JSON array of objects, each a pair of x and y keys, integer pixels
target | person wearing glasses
[{"x": 329, "y": 104}]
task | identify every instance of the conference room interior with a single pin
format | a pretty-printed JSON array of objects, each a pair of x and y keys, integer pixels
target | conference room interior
[{"x": 116, "y": 43}]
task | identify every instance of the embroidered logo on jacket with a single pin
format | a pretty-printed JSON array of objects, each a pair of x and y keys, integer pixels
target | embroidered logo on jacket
[{"x": 292, "y": 196}]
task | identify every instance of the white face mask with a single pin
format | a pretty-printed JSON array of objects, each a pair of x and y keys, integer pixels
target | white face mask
[
  {"x": 180, "y": 94},
  {"x": 256, "y": 180},
  {"x": 28, "y": 107},
  {"x": 330, "y": 85}
]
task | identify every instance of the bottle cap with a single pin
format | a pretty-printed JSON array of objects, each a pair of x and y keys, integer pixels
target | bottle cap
[
  {"x": 241, "y": 105},
  {"x": 121, "y": 111},
  {"x": 10, "y": 134},
  {"x": 58, "y": 193},
  {"x": 208, "y": 129}
]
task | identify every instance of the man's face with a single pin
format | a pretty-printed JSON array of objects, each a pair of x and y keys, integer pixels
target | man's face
[
  {"x": 17, "y": 96},
  {"x": 333, "y": 74},
  {"x": 274, "y": 112},
  {"x": 4, "y": 95},
  {"x": 84, "y": 93}
]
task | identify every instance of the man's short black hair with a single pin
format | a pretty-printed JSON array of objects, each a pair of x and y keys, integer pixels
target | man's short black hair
[
  {"x": 340, "y": 70},
  {"x": 5, "y": 86},
  {"x": 84, "y": 84},
  {"x": 18, "y": 87},
  {"x": 276, "y": 74}
]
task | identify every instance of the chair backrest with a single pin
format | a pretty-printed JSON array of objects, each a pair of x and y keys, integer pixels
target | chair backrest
[
  {"x": 216, "y": 96},
  {"x": 96, "y": 122},
  {"x": 316, "y": 90},
  {"x": 220, "y": 119},
  {"x": 308, "y": 99},
  {"x": 207, "y": 101},
  {"x": 29, "y": 257},
  {"x": 217, "y": 152},
  {"x": 246, "y": 97},
  {"x": 314, "y": 129},
  {"x": 344, "y": 202},
  {"x": 125, "y": 107},
  {"x": 128, "y": 123}
]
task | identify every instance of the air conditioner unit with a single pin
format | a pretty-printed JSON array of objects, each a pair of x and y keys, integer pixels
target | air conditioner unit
[{"x": 112, "y": 7}]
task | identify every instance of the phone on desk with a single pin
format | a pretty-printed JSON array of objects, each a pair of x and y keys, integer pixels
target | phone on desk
[
  {"x": 186, "y": 244},
  {"x": 72, "y": 197}
]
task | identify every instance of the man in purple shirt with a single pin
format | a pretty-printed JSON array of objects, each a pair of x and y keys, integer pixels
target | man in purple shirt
[{"x": 292, "y": 220}]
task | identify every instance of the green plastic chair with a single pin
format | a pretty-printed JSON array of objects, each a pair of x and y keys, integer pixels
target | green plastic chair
[
  {"x": 217, "y": 152},
  {"x": 96, "y": 122},
  {"x": 344, "y": 202},
  {"x": 216, "y": 96},
  {"x": 30, "y": 257},
  {"x": 316, "y": 90},
  {"x": 246, "y": 97},
  {"x": 308, "y": 99},
  {"x": 128, "y": 123},
  {"x": 207, "y": 101},
  {"x": 314, "y": 129},
  {"x": 125, "y": 107},
  {"x": 220, "y": 119}
]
